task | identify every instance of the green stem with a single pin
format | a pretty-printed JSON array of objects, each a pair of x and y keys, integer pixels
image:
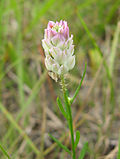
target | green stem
[{"x": 69, "y": 114}]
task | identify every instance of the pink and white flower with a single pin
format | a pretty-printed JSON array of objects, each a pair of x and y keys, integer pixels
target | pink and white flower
[{"x": 59, "y": 48}]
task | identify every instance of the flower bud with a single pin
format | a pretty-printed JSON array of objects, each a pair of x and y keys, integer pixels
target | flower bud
[{"x": 59, "y": 48}]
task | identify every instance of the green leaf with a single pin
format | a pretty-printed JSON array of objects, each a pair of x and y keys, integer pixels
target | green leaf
[
  {"x": 4, "y": 152},
  {"x": 118, "y": 155},
  {"x": 60, "y": 144},
  {"x": 78, "y": 88},
  {"x": 61, "y": 107},
  {"x": 77, "y": 138},
  {"x": 83, "y": 151}
]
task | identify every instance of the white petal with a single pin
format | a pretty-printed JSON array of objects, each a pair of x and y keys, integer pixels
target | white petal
[
  {"x": 63, "y": 69},
  {"x": 51, "y": 64},
  {"x": 58, "y": 55},
  {"x": 70, "y": 63},
  {"x": 55, "y": 68},
  {"x": 55, "y": 40},
  {"x": 69, "y": 42},
  {"x": 54, "y": 51},
  {"x": 48, "y": 66},
  {"x": 70, "y": 50},
  {"x": 46, "y": 45},
  {"x": 61, "y": 57}
]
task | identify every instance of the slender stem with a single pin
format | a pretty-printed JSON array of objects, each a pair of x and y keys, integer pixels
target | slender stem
[{"x": 69, "y": 114}]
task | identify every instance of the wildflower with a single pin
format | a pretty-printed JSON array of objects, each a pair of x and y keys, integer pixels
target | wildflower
[{"x": 59, "y": 49}]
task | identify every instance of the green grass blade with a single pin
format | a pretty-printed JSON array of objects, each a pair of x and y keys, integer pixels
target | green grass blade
[
  {"x": 83, "y": 151},
  {"x": 60, "y": 144},
  {"x": 78, "y": 88},
  {"x": 4, "y": 152},
  {"x": 94, "y": 44},
  {"x": 114, "y": 48},
  {"x": 18, "y": 47}
]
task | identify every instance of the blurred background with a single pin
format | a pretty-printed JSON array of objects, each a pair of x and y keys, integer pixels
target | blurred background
[{"x": 28, "y": 109}]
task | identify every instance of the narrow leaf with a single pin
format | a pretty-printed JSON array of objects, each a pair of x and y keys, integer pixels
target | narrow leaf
[
  {"x": 60, "y": 144},
  {"x": 77, "y": 138},
  {"x": 4, "y": 152},
  {"x": 61, "y": 107},
  {"x": 83, "y": 151},
  {"x": 78, "y": 89}
]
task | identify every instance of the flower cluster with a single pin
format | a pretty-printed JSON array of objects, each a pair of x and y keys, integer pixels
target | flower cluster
[{"x": 59, "y": 48}]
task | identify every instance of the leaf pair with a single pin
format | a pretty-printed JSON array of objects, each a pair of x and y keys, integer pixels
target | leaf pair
[{"x": 83, "y": 151}]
